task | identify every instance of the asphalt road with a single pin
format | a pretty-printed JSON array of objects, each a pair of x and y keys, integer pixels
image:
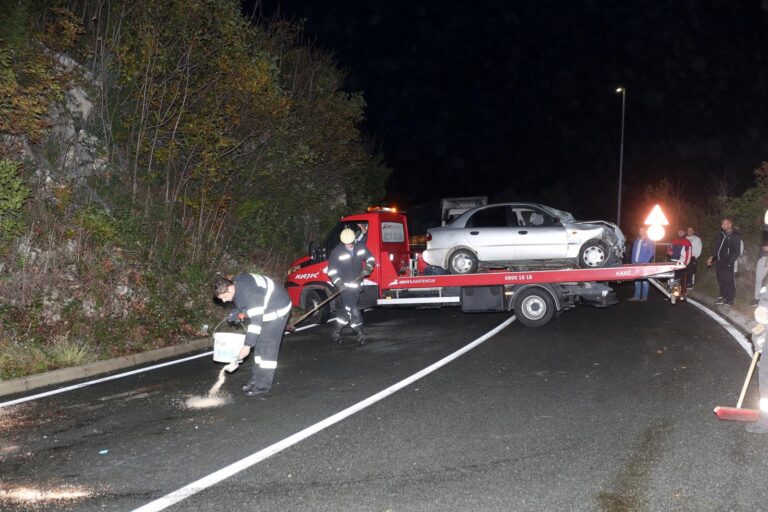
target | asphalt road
[{"x": 604, "y": 410}]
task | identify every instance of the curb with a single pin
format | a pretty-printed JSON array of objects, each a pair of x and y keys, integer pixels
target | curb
[{"x": 22, "y": 384}]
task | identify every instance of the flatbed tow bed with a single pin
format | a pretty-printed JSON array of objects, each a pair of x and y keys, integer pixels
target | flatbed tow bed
[{"x": 536, "y": 296}]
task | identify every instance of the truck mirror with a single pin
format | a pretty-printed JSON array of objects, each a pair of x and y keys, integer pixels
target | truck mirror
[{"x": 311, "y": 250}]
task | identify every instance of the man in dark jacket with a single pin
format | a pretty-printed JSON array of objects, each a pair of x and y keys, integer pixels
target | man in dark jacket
[
  {"x": 346, "y": 263},
  {"x": 267, "y": 306},
  {"x": 727, "y": 250}
]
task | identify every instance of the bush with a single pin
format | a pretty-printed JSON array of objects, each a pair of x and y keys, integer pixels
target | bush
[{"x": 13, "y": 194}]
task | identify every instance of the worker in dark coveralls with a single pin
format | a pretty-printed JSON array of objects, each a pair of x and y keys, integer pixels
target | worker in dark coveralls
[
  {"x": 267, "y": 306},
  {"x": 347, "y": 261}
]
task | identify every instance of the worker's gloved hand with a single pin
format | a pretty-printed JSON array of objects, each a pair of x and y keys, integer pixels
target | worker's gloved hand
[
  {"x": 368, "y": 270},
  {"x": 234, "y": 365},
  {"x": 233, "y": 316}
]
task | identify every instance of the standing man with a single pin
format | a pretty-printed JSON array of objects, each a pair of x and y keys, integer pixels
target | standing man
[
  {"x": 347, "y": 261},
  {"x": 643, "y": 251},
  {"x": 696, "y": 247},
  {"x": 680, "y": 252},
  {"x": 268, "y": 308},
  {"x": 727, "y": 251}
]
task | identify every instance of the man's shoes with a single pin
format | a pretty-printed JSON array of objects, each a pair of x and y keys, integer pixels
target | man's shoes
[
  {"x": 362, "y": 339},
  {"x": 758, "y": 427},
  {"x": 754, "y": 302},
  {"x": 644, "y": 299},
  {"x": 634, "y": 299},
  {"x": 251, "y": 389},
  {"x": 727, "y": 304},
  {"x": 719, "y": 301}
]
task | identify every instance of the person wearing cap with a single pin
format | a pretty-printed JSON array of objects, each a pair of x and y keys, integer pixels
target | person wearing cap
[
  {"x": 348, "y": 263},
  {"x": 267, "y": 308}
]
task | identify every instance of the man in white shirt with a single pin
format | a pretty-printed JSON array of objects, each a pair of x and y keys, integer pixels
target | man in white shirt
[{"x": 696, "y": 247}]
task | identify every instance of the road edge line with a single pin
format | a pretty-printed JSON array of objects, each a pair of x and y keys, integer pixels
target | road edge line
[
  {"x": 725, "y": 324},
  {"x": 253, "y": 459}
]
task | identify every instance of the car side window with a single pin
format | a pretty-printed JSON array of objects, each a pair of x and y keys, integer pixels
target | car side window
[
  {"x": 493, "y": 217},
  {"x": 533, "y": 218}
]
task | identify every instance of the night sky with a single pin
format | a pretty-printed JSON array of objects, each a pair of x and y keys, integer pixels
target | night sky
[{"x": 516, "y": 100}]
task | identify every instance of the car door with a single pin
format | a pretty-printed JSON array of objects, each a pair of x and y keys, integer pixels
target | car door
[
  {"x": 489, "y": 234},
  {"x": 538, "y": 236}
]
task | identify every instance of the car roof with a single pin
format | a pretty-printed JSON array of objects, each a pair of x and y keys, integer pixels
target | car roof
[{"x": 547, "y": 209}]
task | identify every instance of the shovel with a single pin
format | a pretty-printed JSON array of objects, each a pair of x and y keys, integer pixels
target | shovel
[
  {"x": 292, "y": 327},
  {"x": 737, "y": 413}
]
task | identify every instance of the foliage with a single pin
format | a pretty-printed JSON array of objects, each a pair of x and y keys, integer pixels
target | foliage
[
  {"x": 13, "y": 194},
  {"x": 231, "y": 144},
  {"x": 29, "y": 84}
]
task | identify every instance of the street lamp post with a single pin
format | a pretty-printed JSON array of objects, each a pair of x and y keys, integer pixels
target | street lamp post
[{"x": 623, "y": 93}]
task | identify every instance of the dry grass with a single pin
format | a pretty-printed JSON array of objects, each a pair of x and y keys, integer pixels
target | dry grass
[
  {"x": 66, "y": 352},
  {"x": 18, "y": 360}
]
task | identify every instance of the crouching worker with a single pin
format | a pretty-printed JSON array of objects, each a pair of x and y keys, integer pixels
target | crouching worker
[
  {"x": 348, "y": 263},
  {"x": 268, "y": 307}
]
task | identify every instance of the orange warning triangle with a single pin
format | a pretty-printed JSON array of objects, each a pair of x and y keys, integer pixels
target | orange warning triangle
[{"x": 657, "y": 217}]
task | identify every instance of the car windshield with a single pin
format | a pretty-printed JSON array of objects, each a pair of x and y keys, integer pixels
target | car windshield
[{"x": 563, "y": 216}]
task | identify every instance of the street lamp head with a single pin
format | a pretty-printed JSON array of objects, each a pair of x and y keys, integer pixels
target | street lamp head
[{"x": 620, "y": 89}]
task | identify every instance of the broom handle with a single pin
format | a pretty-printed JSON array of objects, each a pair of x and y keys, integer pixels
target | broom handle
[
  {"x": 326, "y": 301},
  {"x": 749, "y": 377}
]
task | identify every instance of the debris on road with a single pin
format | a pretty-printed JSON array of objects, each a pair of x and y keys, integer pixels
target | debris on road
[{"x": 213, "y": 398}]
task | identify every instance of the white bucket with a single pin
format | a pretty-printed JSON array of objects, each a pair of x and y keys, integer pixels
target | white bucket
[{"x": 226, "y": 346}]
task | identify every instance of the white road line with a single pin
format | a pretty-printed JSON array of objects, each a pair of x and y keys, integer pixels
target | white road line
[
  {"x": 253, "y": 459},
  {"x": 725, "y": 324},
  {"x": 99, "y": 381},
  {"x": 117, "y": 376}
]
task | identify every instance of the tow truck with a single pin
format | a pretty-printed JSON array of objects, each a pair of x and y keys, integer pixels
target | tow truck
[{"x": 401, "y": 278}]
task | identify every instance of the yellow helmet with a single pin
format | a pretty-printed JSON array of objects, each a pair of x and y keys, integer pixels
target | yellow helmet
[{"x": 347, "y": 236}]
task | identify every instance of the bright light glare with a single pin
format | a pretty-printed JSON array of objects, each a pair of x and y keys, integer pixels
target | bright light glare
[
  {"x": 656, "y": 232},
  {"x": 620, "y": 89},
  {"x": 656, "y": 217}
]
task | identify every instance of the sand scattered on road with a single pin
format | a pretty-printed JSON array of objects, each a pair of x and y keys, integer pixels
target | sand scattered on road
[
  {"x": 214, "y": 398},
  {"x": 35, "y": 496}
]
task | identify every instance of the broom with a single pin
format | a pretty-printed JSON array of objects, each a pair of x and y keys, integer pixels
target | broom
[{"x": 737, "y": 413}]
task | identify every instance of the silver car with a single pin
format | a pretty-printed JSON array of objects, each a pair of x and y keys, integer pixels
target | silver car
[{"x": 522, "y": 235}]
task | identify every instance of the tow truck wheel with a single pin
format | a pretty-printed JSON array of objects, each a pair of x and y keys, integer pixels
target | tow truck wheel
[
  {"x": 534, "y": 307},
  {"x": 594, "y": 254},
  {"x": 311, "y": 299},
  {"x": 462, "y": 262}
]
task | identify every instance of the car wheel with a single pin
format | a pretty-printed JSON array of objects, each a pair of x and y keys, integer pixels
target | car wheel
[
  {"x": 312, "y": 298},
  {"x": 462, "y": 262},
  {"x": 534, "y": 307},
  {"x": 594, "y": 254}
]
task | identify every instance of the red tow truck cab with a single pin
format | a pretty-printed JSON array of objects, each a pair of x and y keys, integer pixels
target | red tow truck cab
[
  {"x": 401, "y": 278},
  {"x": 387, "y": 239}
]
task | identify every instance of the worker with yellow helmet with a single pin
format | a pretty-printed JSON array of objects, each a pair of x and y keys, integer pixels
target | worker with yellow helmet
[{"x": 348, "y": 263}]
